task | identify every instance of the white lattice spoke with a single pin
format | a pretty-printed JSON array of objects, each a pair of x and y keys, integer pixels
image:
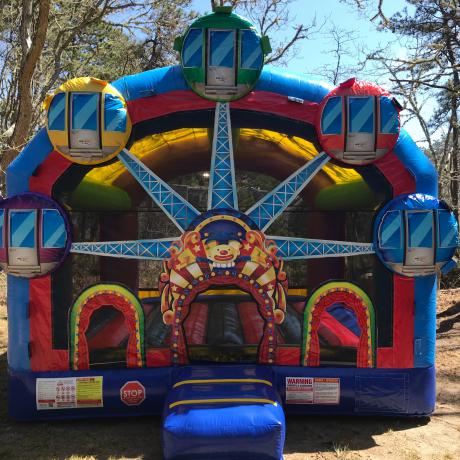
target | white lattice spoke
[
  {"x": 136, "y": 249},
  {"x": 266, "y": 210},
  {"x": 305, "y": 248},
  {"x": 222, "y": 185},
  {"x": 179, "y": 210}
]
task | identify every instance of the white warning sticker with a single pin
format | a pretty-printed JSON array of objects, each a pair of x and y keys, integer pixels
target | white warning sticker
[
  {"x": 326, "y": 390},
  {"x": 312, "y": 390},
  {"x": 69, "y": 393}
]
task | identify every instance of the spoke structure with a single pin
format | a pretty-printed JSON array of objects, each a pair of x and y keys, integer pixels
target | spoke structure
[
  {"x": 305, "y": 248},
  {"x": 266, "y": 210},
  {"x": 179, "y": 210},
  {"x": 222, "y": 185},
  {"x": 137, "y": 249}
]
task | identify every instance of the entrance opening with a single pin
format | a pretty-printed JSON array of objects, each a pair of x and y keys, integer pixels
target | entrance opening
[
  {"x": 106, "y": 329},
  {"x": 339, "y": 325},
  {"x": 339, "y": 333},
  {"x": 223, "y": 329},
  {"x": 107, "y": 336}
]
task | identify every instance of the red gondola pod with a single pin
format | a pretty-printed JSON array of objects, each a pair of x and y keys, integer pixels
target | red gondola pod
[{"x": 358, "y": 122}]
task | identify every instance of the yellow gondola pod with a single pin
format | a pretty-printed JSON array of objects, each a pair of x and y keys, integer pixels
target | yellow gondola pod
[{"x": 87, "y": 121}]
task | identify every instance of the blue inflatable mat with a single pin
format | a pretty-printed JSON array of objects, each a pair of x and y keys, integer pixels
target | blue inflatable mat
[{"x": 223, "y": 413}]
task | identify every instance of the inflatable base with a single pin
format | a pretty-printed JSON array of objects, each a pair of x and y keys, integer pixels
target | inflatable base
[{"x": 303, "y": 390}]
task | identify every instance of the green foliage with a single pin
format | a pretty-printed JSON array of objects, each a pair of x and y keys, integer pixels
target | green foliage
[
  {"x": 429, "y": 75},
  {"x": 101, "y": 38}
]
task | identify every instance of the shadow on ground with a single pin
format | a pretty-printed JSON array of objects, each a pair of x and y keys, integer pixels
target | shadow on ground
[
  {"x": 140, "y": 437},
  {"x": 452, "y": 316},
  {"x": 332, "y": 434}
]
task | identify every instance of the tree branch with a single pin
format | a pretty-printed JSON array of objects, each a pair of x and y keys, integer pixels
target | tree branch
[{"x": 32, "y": 46}]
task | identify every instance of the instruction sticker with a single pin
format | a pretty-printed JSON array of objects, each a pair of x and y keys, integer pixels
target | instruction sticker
[
  {"x": 312, "y": 390},
  {"x": 69, "y": 393}
]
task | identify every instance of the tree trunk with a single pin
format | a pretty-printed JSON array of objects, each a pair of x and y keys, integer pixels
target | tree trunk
[
  {"x": 31, "y": 47},
  {"x": 455, "y": 157}
]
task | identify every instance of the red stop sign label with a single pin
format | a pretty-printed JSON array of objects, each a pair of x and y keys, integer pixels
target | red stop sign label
[{"x": 132, "y": 393}]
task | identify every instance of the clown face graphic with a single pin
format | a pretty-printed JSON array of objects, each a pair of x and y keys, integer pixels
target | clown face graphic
[{"x": 222, "y": 255}]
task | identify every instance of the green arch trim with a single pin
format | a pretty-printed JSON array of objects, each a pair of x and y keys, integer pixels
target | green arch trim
[
  {"x": 313, "y": 300},
  {"x": 89, "y": 293}
]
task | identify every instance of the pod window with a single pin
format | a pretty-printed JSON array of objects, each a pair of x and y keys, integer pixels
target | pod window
[
  {"x": 251, "y": 50},
  {"x": 53, "y": 229},
  {"x": 2, "y": 226},
  {"x": 114, "y": 114},
  {"x": 391, "y": 231},
  {"x": 447, "y": 230},
  {"x": 420, "y": 229},
  {"x": 23, "y": 229},
  {"x": 192, "y": 54},
  {"x": 56, "y": 113},
  {"x": 331, "y": 119},
  {"x": 389, "y": 121},
  {"x": 361, "y": 114},
  {"x": 222, "y": 48}
]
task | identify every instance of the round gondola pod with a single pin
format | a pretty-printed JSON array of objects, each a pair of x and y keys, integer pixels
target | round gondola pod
[
  {"x": 222, "y": 55},
  {"x": 87, "y": 121},
  {"x": 358, "y": 123},
  {"x": 416, "y": 235},
  {"x": 35, "y": 235}
]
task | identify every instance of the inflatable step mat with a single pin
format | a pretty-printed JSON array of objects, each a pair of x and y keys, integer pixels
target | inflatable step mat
[{"x": 225, "y": 413}]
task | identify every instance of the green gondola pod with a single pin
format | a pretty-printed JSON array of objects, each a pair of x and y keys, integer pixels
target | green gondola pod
[{"x": 222, "y": 55}]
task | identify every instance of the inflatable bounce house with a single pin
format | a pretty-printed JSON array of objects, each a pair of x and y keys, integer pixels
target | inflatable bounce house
[{"x": 236, "y": 314}]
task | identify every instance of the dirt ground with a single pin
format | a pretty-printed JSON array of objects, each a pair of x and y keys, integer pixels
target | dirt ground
[{"x": 437, "y": 437}]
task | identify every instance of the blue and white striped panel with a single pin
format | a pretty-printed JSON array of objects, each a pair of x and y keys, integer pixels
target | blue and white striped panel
[
  {"x": 361, "y": 114},
  {"x": 420, "y": 229},
  {"x": 331, "y": 119},
  {"x": 114, "y": 114},
  {"x": 222, "y": 48},
  {"x": 56, "y": 113},
  {"x": 54, "y": 233},
  {"x": 389, "y": 121},
  {"x": 447, "y": 230},
  {"x": 192, "y": 52},
  {"x": 251, "y": 50},
  {"x": 22, "y": 229},
  {"x": 390, "y": 236},
  {"x": 85, "y": 110}
]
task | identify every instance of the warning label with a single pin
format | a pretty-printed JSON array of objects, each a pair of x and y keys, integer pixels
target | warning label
[
  {"x": 69, "y": 393},
  {"x": 312, "y": 390}
]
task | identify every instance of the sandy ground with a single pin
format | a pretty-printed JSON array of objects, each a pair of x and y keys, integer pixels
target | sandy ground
[{"x": 437, "y": 437}]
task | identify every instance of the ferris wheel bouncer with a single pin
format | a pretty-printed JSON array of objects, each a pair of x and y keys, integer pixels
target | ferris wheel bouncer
[{"x": 304, "y": 282}]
